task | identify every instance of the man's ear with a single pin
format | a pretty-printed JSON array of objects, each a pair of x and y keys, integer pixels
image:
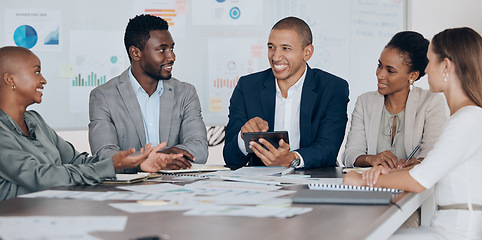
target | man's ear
[
  {"x": 135, "y": 53},
  {"x": 308, "y": 52}
]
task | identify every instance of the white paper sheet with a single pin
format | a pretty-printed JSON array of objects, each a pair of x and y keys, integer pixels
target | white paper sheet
[
  {"x": 210, "y": 185},
  {"x": 139, "y": 208},
  {"x": 256, "y": 171},
  {"x": 155, "y": 188},
  {"x": 279, "y": 212},
  {"x": 53, "y": 227}
]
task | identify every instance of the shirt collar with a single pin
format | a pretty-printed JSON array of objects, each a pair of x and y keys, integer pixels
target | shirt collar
[
  {"x": 296, "y": 87},
  {"x": 138, "y": 88},
  {"x": 31, "y": 125}
]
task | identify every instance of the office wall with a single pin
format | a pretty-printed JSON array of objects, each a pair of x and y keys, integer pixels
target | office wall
[
  {"x": 429, "y": 17},
  {"x": 80, "y": 44},
  {"x": 426, "y": 16}
]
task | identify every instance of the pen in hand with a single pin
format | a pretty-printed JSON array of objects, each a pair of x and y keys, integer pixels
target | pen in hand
[
  {"x": 188, "y": 158},
  {"x": 413, "y": 153}
]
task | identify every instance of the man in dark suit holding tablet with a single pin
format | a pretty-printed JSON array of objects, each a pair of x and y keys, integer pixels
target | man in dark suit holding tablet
[{"x": 308, "y": 103}]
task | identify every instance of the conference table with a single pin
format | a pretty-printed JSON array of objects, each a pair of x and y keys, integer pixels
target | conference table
[{"x": 325, "y": 221}]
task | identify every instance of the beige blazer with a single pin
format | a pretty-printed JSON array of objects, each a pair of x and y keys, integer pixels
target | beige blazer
[{"x": 424, "y": 118}]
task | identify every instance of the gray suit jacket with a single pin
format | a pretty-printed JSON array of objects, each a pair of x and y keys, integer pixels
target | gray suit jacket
[
  {"x": 116, "y": 122},
  {"x": 424, "y": 119}
]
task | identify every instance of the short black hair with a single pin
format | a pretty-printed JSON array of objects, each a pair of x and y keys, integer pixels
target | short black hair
[
  {"x": 138, "y": 29},
  {"x": 297, "y": 25},
  {"x": 415, "y": 46}
]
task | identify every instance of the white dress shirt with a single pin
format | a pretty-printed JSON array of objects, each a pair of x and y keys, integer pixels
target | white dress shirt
[
  {"x": 149, "y": 109},
  {"x": 286, "y": 116}
]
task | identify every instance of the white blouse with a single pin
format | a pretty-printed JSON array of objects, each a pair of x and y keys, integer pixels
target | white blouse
[{"x": 454, "y": 166}]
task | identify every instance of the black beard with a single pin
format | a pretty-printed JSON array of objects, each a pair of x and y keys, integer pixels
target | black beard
[
  {"x": 159, "y": 76},
  {"x": 165, "y": 78}
]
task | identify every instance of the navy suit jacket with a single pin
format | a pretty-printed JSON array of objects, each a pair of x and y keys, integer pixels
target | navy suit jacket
[{"x": 323, "y": 116}]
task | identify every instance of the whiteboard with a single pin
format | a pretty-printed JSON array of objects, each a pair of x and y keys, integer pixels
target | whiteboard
[{"x": 217, "y": 41}]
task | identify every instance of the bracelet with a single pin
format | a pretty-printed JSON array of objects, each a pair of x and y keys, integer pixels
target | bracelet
[{"x": 419, "y": 161}]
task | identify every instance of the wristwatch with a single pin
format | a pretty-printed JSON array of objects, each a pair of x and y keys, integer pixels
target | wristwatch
[
  {"x": 295, "y": 162},
  {"x": 293, "y": 165}
]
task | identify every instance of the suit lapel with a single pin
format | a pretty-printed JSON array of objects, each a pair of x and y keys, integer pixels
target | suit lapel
[
  {"x": 132, "y": 105},
  {"x": 374, "y": 124},
  {"x": 267, "y": 98},
  {"x": 166, "y": 104},
  {"x": 308, "y": 101}
]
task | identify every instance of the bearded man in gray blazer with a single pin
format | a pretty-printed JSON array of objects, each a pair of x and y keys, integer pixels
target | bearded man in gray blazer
[{"x": 145, "y": 104}]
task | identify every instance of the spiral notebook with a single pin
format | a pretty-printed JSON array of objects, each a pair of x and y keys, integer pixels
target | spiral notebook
[{"x": 341, "y": 187}]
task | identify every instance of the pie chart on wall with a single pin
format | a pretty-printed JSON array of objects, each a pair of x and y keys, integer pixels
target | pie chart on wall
[{"x": 25, "y": 36}]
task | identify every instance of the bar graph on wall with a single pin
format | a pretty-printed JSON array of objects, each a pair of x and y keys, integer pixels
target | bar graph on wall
[
  {"x": 174, "y": 12},
  {"x": 225, "y": 82},
  {"x": 92, "y": 80},
  {"x": 166, "y": 14}
]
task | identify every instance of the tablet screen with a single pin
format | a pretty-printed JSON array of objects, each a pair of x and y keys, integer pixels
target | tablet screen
[{"x": 271, "y": 137}]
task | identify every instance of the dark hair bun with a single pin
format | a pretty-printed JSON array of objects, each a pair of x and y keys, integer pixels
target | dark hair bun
[{"x": 415, "y": 46}]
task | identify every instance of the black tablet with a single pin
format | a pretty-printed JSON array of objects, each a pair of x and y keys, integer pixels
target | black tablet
[{"x": 272, "y": 137}]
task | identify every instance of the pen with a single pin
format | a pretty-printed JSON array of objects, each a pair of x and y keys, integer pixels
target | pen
[
  {"x": 413, "y": 153},
  {"x": 288, "y": 171},
  {"x": 188, "y": 158}
]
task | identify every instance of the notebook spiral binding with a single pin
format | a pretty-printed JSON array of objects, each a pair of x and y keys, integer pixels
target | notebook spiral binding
[
  {"x": 186, "y": 175},
  {"x": 322, "y": 186}
]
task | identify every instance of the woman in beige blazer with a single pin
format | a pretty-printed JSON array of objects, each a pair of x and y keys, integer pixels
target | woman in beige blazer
[{"x": 388, "y": 124}]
